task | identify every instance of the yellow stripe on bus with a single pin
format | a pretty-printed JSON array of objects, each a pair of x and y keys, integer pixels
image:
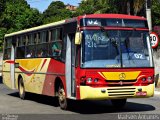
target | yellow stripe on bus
[{"x": 120, "y": 75}]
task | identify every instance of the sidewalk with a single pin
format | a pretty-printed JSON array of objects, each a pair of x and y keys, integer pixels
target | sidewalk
[{"x": 157, "y": 91}]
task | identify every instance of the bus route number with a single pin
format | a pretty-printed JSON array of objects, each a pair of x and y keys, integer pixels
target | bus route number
[{"x": 91, "y": 44}]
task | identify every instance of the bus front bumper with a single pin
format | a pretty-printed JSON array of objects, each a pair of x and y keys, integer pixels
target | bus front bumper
[{"x": 101, "y": 93}]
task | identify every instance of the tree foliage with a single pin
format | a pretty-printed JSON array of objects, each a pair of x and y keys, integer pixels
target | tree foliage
[
  {"x": 16, "y": 16},
  {"x": 155, "y": 12},
  {"x": 95, "y": 6},
  {"x": 133, "y": 7},
  {"x": 2, "y": 6},
  {"x": 55, "y": 12}
]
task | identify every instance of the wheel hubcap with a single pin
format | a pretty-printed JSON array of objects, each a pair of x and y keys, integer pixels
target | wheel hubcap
[{"x": 61, "y": 95}]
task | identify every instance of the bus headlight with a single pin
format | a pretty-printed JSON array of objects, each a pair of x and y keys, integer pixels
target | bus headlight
[
  {"x": 144, "y": 79},
  {"x": 89, "y": 80},
  {"x": 96, "y": 80},
  {"x": 149, "y": 79}
]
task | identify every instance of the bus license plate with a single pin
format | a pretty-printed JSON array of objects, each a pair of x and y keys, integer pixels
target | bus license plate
[{"x": 141, "y": 93}]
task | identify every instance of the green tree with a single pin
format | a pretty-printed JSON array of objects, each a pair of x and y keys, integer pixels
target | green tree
[
  {"x": 2, "y": 33},
  {"x": 96, "y": 6},
  {"x": 155, "y": 12},
  {"x": 132, "y": 7},
  {"x": 2, "y": 6},
  {"x": 17, "y": 15},
  {"x": 56, "y": 11}
]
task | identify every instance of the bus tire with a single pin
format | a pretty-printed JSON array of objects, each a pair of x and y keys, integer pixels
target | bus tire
[
  {"x": 119, "y": 103},
  {"x": 21, "y": 89},
  {"x": 63, "y": 102}
]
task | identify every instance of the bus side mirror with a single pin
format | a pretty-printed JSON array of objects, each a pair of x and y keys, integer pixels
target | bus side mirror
[{"x": 78, "y": 38}]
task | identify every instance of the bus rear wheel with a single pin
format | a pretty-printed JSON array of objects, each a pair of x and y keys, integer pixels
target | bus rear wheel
[
  {"x": 119, "y": 103},
  {"x": 21, "y": 88},
  {"x": 62, "y": 98}
]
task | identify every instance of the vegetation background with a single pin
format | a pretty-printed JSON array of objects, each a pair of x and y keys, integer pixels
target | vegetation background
[{"x": 17, "y": 15}]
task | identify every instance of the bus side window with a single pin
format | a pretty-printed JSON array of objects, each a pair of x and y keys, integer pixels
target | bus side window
[
  {"x": 20, "y": 51},
  {"x": 7, "y": 48},
  {"x": 39, "y": 38},
  {"x": 55, "y": 46},
  {"x": 35, "y": 38},
  {"x": 31, "y": 46},
  {"x": 42, "y": 46},
  {"x": 53, "y": 35},
  {"x": 43, "y": 36}
]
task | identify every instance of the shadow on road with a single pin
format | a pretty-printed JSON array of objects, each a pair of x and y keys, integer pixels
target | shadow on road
[
  {"x": 47, "y": 100},
  {"x": 93, "y": 107},
  {"x": 88, "y": 107}
]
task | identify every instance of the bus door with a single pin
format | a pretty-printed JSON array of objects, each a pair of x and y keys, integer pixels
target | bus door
[{"x": 70, "y": 66}]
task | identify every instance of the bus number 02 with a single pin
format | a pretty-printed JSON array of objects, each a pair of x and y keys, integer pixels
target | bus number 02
[{"x": 138, "y": 56}]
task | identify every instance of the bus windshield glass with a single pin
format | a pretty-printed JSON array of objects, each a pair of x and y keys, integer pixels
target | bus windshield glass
[{"x": 116, "y": 49}]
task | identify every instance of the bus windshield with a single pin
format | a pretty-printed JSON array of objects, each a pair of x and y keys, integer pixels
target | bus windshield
[{"x": 116, "y": 49}]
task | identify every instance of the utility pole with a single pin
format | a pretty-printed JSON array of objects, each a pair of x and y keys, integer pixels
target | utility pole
[{"x": 148, "y": 14}]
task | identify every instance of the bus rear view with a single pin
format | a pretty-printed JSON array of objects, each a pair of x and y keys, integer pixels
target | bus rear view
[{"x": 116, "y": 59}]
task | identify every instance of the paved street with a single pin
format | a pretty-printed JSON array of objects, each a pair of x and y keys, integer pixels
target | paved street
[{"x": 10, "y": 103}]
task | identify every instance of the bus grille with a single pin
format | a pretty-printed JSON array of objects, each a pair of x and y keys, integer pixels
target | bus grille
[
  {"x": 121, "y": 92},
  {"x": 114, "y": 83}
]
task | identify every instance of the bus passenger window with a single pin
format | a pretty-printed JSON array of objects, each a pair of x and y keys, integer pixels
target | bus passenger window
[
  {"x": 42, "y": 50},
  {"x": 42, "y": 45},
  {"x": 29, "y": 40},
  {"x": 55, "y": 46},
  {"x": 53, "y": 35},
  {"x": 38, "y": 37},
  {"x": 24, "y": 40},
  {"x": 35, "y": 38},
  {"x": 7, "y": 54},
  {"x": 20, "y": 52},
  {"x": 43, "y": 37}
]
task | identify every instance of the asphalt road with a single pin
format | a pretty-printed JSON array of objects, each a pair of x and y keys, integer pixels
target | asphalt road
[{"x": 44, "y": 107}]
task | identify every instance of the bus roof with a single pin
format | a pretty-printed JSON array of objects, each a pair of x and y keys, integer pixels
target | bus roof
[
  {"x": 120, "y": 16},
  {"x": 35, "y": 28}
]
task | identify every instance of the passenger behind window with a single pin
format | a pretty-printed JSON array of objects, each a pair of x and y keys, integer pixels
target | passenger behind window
[
  {"x": 39, "y": 54},
  {"x": 29, "y": 54},
  {"x": 56, "y": 48}
]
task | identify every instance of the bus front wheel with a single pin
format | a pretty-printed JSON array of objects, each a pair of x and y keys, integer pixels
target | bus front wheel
[
  {"x": 62, "y": 98},
  {"x": 21, "y": 88},
  {"x": 119, "y": 103}
]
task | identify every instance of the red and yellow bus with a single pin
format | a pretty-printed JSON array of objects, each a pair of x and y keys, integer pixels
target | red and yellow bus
[{"x": 90, "y": 57}]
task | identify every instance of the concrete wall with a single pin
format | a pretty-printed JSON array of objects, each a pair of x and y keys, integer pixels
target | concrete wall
[
  {"x": 156, "y": 57},
  {"x": 1, "y": 56}
]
